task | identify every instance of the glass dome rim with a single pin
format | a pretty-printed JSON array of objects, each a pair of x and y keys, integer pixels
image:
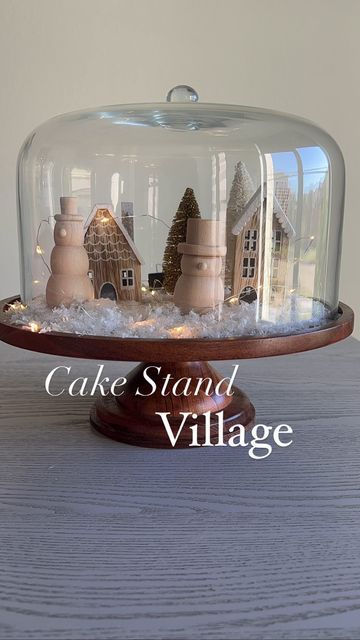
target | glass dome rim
[
  {"x": 79, "y": 155},
  {"x": 217, "y": 107}
]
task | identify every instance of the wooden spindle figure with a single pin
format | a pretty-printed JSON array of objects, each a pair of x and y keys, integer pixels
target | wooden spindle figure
[
  {"x": 200, "y": 287},
  {"x": 69, "y": 281}
]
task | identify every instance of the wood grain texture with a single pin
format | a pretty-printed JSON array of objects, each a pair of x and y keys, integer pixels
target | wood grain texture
[
  {"x": 99, "y": 540},
  {"x": 176, "y": 350},
  {"x": 110, "y": 251},
  {"x": 133, "y": 419},
  {"x": 278, "y": 284},
  {"x": 69, "y": 262}
]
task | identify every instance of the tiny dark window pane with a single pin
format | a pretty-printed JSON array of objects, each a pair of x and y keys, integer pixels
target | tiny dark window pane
[
  {"x": 127, "y": 278},
  {"x": 245, "y": 267},
  {"x": 277, "y": 238}
]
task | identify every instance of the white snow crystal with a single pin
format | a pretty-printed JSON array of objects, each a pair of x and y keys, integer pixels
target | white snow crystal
[{"x": 154, "y": 319}]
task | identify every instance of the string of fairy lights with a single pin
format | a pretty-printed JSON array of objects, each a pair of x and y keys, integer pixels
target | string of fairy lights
[
  {"x": 157, "y": 293},
  {"x": 39, "y": 250}
]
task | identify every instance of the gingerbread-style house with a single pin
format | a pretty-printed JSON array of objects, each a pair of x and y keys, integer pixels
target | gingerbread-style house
[
  {"x": 114, "y": 261},
  {"x": 262, "y": 235}
]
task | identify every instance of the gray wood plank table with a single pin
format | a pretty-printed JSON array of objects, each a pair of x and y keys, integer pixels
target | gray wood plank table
[{"x": 99, "y": 540}]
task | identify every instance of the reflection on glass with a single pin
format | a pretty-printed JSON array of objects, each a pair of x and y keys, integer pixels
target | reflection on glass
[{"x": 275, "y": 183}]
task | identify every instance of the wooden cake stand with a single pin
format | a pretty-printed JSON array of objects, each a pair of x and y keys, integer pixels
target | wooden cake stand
[{"x": 131, "y": 418}]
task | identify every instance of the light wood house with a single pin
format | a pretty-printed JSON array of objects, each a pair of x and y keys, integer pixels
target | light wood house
[
  {"x": 114, "y": 261},
  {"x": 262, "y": 235}
]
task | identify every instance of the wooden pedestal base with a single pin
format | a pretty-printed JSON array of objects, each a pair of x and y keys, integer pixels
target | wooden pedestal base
[{"x": 132, "y": 418}]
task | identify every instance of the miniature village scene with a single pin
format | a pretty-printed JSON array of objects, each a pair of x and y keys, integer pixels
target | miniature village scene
[{"x": 216, "y": 278}]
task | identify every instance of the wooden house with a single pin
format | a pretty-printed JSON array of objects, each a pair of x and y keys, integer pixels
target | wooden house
[
  {"x": 114, "y": 261},
  {"x": 262, "y": 235}
]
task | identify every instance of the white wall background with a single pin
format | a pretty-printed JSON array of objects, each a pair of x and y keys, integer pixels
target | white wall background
[{"x": 62, "y": 55}]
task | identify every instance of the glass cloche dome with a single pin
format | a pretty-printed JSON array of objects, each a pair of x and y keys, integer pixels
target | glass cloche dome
[{"x": 179, "y": 219}]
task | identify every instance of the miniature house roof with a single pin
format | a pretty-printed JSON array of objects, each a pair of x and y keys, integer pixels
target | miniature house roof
[
  {"x": 253, "y": 205},
  {"x": 115, "y": 247}
]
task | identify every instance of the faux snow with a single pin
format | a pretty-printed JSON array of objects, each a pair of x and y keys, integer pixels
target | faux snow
[{"x": 161, "y": 319}]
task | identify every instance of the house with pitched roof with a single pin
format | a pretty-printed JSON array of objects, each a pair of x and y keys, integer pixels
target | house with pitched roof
[
  {"x": 114, "y": 261},
  {"x": 262, "y": 231}
]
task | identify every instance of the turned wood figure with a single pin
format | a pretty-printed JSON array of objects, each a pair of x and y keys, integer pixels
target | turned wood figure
[
  {"x": 200, "y": 287},
  {"x": 69, "y": 280},
  {"x": 262, "y": 235},
  {"x": 114, "y": 261}
]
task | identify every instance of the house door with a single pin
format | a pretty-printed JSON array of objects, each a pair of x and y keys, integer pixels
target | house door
[
  {"x": 248, "y": 294},
  {"x": 108, "y": 291}
]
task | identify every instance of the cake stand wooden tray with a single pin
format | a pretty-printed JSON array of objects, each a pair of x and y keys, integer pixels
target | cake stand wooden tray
[{"x": 131, "y": 418}]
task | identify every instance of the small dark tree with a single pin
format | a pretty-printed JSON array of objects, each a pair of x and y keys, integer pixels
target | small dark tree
[{"x": 188, "y": 208}]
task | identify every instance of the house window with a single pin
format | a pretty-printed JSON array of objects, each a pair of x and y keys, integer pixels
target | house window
[
  {"x": 248, "y": 268},
  {"x": 275, "y": 268},
  {"x": 252, "y": 268},
  {"x": 127, "y": 278},
  {"x": 277, "y": 238},
  {"x": 250, "y": 241},
  {"x": 245, "y": 267}
]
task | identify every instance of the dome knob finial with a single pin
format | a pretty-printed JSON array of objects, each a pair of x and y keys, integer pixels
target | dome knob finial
[{"x": 182, "y": 93}]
